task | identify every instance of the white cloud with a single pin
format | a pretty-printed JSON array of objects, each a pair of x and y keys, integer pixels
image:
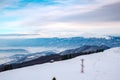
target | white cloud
[{"x": 42, "y": 20}]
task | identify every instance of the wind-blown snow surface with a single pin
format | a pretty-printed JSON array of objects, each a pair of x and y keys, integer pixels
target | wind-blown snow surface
[{"x": 101, "y": 66}]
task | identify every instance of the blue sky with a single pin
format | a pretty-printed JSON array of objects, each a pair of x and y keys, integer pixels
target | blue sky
[{"x": 60, "y": 18}]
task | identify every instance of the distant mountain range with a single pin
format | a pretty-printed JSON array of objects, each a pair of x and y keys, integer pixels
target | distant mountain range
[
  {"x": 76, "y": 46},
  {"x": 21, "y": 60},
  {"x": 84, "y": 49},
  {"x": 59, "y": 42},
  {"x": 19, "y": 57}
]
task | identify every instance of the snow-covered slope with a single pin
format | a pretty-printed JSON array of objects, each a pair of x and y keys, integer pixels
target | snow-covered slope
[{"x": 101, "y": 66}]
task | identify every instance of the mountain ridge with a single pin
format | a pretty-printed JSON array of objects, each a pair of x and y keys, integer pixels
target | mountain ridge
[{"x": 60, "y": 42}]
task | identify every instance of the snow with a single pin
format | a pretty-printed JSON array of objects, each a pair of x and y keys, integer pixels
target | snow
[
  {"x": 94, "y": 35},
  {"x": 7, "y": 57},
  {"x": 100, "y": 66},
  {"x": 4, "y": 58}
]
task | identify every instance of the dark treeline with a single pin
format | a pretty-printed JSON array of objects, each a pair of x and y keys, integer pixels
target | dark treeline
[{"x": 44, "y": 59}]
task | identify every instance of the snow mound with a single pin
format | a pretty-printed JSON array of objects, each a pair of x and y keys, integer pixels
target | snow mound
[{"x": 100, "y": 66}]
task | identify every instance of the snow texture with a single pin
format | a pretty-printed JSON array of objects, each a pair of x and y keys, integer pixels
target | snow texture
[{"x": 100, "y": 66}]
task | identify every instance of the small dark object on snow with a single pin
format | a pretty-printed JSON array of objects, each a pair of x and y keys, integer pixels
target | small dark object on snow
[
  {"x": 54, "y": 78},
  {"x": 82, "y": 66}
]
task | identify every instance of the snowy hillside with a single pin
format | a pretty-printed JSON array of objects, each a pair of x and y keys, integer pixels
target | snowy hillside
[{"x": 101, "y": 66}]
